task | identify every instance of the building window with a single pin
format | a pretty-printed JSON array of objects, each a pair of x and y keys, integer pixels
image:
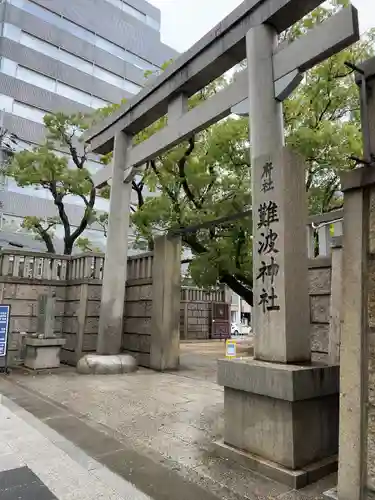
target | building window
[
  {"x": 52, "y": 85},
  {"x": 108, "y": 77},
  {"x": 28, "y": 112},
  {"x": 153, "y": 23},
  {"x": 83, "y": 33},
  {"x": 73, "y": 94},
  {"x": 9, "y": 105},
  {"x": 37, "y": 79},
  {"x": 8, "y": 67},
  {"x": 70, "y": 59},
  {"x": 133, "y": 12},
  {"x": 6, "y": 103}
]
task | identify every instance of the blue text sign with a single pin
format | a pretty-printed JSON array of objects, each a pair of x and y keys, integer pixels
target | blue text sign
[{"x": 4, "y": 328}]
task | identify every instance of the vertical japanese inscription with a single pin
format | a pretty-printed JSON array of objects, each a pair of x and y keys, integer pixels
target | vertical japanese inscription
[{"x": 268, "y": 214}]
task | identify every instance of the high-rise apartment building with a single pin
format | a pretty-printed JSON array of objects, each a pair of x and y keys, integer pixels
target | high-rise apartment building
[{"x": 68, "y": 55}]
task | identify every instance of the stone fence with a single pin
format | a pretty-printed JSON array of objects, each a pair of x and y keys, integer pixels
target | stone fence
[
  {"x": 76, "y": 283},
  {"x": 197, "y": 310},
  {"x": 324, "y": 235}
]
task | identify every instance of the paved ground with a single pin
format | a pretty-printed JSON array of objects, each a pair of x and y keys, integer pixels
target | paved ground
[
  {"x": 36, "y": 463},
  {"x": 155, "y": 430}
]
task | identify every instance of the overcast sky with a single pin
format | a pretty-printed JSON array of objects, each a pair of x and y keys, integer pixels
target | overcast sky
[{"x": 186, "y": 21}]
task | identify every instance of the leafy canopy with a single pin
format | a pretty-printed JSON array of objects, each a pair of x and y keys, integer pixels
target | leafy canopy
[
  {"x": 61, "y": 174},
  {"x": 208, "y": 177}
]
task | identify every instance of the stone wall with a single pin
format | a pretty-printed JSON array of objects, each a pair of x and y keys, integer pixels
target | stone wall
[
  {"x": 76, "y": 283},
  {"x": 320, "y": 296},
  {"x": 196, "y": 312},
  {"x": 80, "y": 325},
  {"x": 23, "y": 278},
  {"x": 138, "y": 309}
]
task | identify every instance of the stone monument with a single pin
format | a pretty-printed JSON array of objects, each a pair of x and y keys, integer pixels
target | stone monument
[{"x": 43, "y": 349}]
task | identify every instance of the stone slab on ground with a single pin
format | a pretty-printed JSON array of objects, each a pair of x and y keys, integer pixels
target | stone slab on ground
[
  {"x": 156, "y": 430},
  {"x": 22, "y": 484},
  {"x": 37, "y": 463}
]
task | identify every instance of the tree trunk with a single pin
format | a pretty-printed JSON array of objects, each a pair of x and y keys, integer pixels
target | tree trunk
[
  {"x": 48, "y": 241},
  {"x": 238, "y": 288},
  {"x": 68, "y": 246},
  {"x": 226, "y": 278}
]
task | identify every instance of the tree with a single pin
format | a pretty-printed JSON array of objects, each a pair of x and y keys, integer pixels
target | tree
[
  {"x": 322, "y": 117},
  {"x": 209, "y": 176},
  {"x": 43, "y": 167}
]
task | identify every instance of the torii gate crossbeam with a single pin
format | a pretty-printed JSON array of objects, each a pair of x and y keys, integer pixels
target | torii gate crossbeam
[{"x": 218, "y": 51}]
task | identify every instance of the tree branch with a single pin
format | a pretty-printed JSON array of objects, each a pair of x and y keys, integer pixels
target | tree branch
[
  {"x": 78, "y": 161},
  {"x": 43, "y": 233},
  {"x": 182, "y": 174},
  {"x": 84, "y": 221},
  {"x": 57, "y": 197},
  {"x": 138, "y": 188}
]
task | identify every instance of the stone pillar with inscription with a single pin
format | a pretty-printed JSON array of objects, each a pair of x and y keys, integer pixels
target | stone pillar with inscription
[
  {"x": 281, "y": 411},
  {"x": 281, "y": 302}
]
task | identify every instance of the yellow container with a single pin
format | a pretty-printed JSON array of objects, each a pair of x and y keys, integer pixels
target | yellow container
[{"x": 230, "y": 348}]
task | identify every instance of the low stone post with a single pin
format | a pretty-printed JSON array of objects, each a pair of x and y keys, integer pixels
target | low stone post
[{"x": 166, "y": 298}]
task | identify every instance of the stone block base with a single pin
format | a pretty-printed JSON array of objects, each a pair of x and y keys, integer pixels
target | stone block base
[
  {"x": 106, "y": 365},
  {"x": 285, "y": 415},
  {"x": 43, "y": 353},
  {"x": 295, "y": 479}
]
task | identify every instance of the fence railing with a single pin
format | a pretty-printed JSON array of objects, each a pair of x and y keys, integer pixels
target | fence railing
[
  {"x": 87, "y": 265},
  {"x": 140, "y": 266},
  {"x": 321, "y": 229},
  {"x": 194, "y": 294},
  {"x": 44, "y": 266},
  {"x": 33, "y": 265}
]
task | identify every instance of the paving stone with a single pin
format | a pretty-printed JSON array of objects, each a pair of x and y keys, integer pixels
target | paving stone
[
  {"x": 30, "y": 492},
  {"x": 10, "y": 461},
  {"x": 81, "y": 434},
  {"x": 23, "y": 484},
  {"x": 50, "y": 473},
  {"x": 17, "y": 477}
]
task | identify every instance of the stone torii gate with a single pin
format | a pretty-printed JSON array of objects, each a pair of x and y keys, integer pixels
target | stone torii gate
[{"x": 271, "y": 404}]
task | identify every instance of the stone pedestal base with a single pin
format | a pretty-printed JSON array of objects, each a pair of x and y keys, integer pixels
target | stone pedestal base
[
  {"x": 106, "y": 364},
  {"x": 285, "y": 416},
  {"x": 295, "y": 479},
  {"x": 43, "y": 353}
]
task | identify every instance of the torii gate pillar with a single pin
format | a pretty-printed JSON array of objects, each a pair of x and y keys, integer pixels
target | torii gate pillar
[{"x": 281, "y": 411}]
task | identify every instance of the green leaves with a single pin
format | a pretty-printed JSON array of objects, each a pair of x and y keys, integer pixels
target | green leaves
[{"x": 45, "y": 167}]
